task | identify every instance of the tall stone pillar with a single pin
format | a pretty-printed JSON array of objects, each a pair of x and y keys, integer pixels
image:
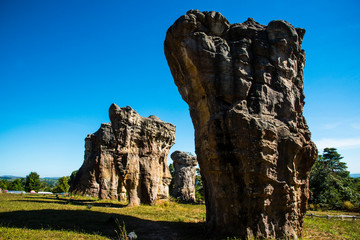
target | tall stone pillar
[
  {"x": 244, "y": 86},
  {"x": 127, "y": 158},
  {"x": 184, "y": 176}
]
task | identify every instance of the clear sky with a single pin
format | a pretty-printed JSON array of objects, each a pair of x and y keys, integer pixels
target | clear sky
[{"x": 62, "y": 64}]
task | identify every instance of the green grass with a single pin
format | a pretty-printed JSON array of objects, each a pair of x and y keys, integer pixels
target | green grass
[
  {"x": 47, "y": 217},
  {"x": 322, "y": 228}
]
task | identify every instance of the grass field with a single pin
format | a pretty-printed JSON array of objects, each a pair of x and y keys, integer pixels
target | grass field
[{"x": 48, "y": 217}]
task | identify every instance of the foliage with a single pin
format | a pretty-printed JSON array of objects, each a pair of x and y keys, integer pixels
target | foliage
[
  {"x": 3, "y": 184},
  {"x": 172, "y": 172},
  {"x": 330, "y": 182},
  {"x": 32, "y": 182},
  {"x": 16, "y": 185},
  {"x": 62, "y": 185},
  {"x": 121, "y": 232},
  {"x": 72, "y": 177},
  {"x": 199, "y": 188}
]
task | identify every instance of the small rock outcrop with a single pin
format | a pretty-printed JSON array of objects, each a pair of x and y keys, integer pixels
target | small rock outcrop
[
  {"x": 244, "y": 86},
  {"x": 127, "y": 158},
  {"x": 184, "y": 176}
]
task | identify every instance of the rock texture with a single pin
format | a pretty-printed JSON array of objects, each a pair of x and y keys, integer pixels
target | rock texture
[
  {"x": 127, "y": 157},
  {"x": 244, "y": 87},
  {"x": 184, "y": 176}
]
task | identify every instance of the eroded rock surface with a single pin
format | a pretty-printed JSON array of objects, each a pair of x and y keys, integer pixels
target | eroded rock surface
[
  {"x": 127, "y": 156},
  {"x": 244, "y": 87},
  {"x": 184, "y": 176}
]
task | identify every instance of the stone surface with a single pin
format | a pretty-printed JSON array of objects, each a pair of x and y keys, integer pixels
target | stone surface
[
  {"x": 127, "y": 157},
  {"x": 184, "y": 176},
  {"x": 244, "y": 87}
]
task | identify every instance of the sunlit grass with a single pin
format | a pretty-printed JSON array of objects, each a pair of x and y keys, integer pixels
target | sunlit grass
[
  {"x": 76, "y": 217},
  {"x": 11, "y": 233}
]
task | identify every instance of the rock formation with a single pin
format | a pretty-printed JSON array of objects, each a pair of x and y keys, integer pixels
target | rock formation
[
  {"x": 127, "y": 156},
  {"x": 184, "y": 176},
  {"x": 244, "y": 87}
]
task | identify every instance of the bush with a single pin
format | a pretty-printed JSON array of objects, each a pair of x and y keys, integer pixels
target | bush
[{"x": 348, "y": 206}]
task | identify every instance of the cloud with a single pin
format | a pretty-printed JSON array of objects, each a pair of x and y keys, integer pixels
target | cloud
[{"x": 345, "y": 143}]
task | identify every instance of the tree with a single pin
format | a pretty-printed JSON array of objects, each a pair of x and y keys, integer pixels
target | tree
[
  {"x": 72, "y": 177},
  {"x": 330, "y": 182},
  {"x": 172, "y": 173},
  {"x": 199, "y": 188},
  {"x": 16, "y": 185},
  {"x": 32, "y": 182},
  {"x": 4, "y": 184},
  {"x": 62, "y": 185},
  {"x": 332, "y": 160}
]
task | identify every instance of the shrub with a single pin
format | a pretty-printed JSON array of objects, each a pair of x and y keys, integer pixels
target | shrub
[{"x": 348, "y": 206}]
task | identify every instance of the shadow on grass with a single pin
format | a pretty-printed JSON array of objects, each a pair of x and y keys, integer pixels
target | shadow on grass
[
  {"x": 93, "y": 222},
  {"x": 71, "y": 201}
]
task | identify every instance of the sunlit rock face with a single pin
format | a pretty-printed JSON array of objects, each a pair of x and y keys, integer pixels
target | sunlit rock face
[
  {"x": 127, "y": 158},
  {"x": 244, "y": 86},
  {"x": 184, "y": 176}
]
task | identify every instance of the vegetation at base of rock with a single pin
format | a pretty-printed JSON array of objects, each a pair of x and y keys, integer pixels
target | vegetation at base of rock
[
  {"x": 331, "y": 185},
  {"x": 62, "y": 185},
  {"x": 72, "y": 177},
  {"x": 46, "y": 217}
]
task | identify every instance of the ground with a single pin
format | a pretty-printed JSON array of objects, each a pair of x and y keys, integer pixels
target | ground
[{"x": 50, "y": 217}]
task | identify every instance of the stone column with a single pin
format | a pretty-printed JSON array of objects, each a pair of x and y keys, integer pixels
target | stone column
[
  {"x": 127, "y": 157},
  {"x": 244, "y": 87},
  {"x": 184, "y": 177}
]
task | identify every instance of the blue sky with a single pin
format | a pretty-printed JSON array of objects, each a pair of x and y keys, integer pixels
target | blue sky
[{"x": 62, "y": 64}]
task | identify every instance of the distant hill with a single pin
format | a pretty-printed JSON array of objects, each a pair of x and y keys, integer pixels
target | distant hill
[
  {"x": 355, "y": 175},
  {"x": 9, "y": 177},
  {"x": 51, "y": 181}
]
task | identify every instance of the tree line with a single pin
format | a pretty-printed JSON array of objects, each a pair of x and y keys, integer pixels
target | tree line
[
  {"x": 331, "y": 185},
  {"x": 32, "y": 182}
]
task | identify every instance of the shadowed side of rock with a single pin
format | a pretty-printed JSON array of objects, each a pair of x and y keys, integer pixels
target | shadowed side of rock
[
  {"x": 244, "y": 86},
  {"x": 98, "y": 176},
  {"x": 127, "y": 158},
  {"x": 184, "y": 176}
]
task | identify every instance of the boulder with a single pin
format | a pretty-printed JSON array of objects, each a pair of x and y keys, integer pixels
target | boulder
[
  {"x": 244, "y": 86},
  {"x": 184, "y": 176},
  {"x": 127, "y": 157}
]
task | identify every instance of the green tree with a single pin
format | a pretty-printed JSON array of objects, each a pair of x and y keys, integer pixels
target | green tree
[
  {"x": 172, "y": 172},
  {"x": 32, "y": 182},
  {"x": 72, "y": 177},
  {"x": 62, "y": 185},
  {"x": 16, "y": 185},
  {"x": 199, "y": 188},
  {"x": 4, "y": 184},
  {"x": 330, "y": 182}
]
